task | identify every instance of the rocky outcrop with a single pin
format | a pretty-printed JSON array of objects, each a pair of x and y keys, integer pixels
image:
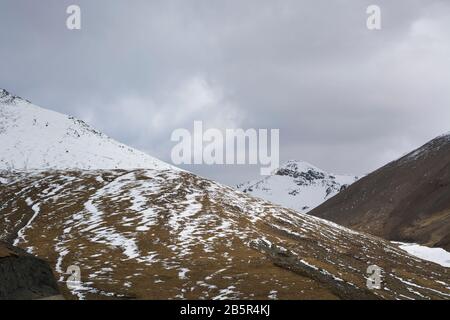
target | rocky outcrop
[{"x": 23, "y": 276}]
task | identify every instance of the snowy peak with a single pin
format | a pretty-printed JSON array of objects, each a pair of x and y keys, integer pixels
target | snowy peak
[
  {"x": 8, "y": 98},
  {"x": 300, "y": 169},
  {"x": 298, "y": 185},
  {"x": 33, "y": 138}
]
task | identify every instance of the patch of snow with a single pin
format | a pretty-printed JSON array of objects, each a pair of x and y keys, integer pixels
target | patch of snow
[
  {"x": 21, "y": 234},
  {"x": 436, "y": 255},
  {"x": 182, "y": 273},
  {"x": 272, "y": 295},
  {"x": 225, "y": 294},
  {"x": 445, "y": 135}
]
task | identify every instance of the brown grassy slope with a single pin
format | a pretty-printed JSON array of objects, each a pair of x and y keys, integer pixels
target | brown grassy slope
[
  {"x": 148, "y": 234},
  {"x": 407, "y": 200}
]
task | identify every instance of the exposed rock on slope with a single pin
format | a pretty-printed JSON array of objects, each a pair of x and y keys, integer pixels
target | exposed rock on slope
[
  {"x": 23, "y": 276},
  {"x": 407, "y": 200},
  {"x": 298, "y": 185},
  {"x": 161, "y": 234}
]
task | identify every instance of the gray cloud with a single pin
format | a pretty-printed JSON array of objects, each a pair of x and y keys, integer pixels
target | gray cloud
[{"x": 345, "y": 98}]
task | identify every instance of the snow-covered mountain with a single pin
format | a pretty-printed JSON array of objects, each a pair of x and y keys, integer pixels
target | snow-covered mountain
[
  {"x": 35, "y": 138},
  {"x": 164, "y": 233},
  {"x": 298, "y": 185}
]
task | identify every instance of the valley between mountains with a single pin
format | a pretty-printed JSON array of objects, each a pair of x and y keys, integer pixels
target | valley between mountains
[
  {"x": 162, "y": 234},
  {"x": 141, "y": 229}
]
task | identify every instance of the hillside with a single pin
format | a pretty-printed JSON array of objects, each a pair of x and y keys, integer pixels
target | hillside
[
  {"x": 163, "y": 234},
  {"x": 147, "y": 230},
  {"x": 407, "y": 200},
  {"x": 35, "y": 138}
]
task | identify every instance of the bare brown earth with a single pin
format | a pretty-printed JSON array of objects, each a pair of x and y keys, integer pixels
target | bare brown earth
[
  {"x": 407, "y": 200},
  {"x": 152, "y": 234}
]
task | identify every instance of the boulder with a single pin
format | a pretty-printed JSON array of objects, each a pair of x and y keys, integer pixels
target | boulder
[{"x": 23, "y": 276}]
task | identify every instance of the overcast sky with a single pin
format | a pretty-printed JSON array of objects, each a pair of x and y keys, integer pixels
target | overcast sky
[{"x": 344, "y": 98}]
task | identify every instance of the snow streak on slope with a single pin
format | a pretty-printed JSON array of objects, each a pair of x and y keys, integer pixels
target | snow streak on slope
[
  {"x": 298, "y": 185},
  {"x": 167, "y": 234},
  {"x": 35, "y": 138}
]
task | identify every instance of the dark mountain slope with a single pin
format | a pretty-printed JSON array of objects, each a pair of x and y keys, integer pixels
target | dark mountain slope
[{"x": 406, "y": 200}]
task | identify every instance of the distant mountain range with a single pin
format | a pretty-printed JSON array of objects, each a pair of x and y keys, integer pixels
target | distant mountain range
[
  {"x": 141, "y": 229},
  {"x": 298, "y": 185},
  {"x": 407, "y": 200}
]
